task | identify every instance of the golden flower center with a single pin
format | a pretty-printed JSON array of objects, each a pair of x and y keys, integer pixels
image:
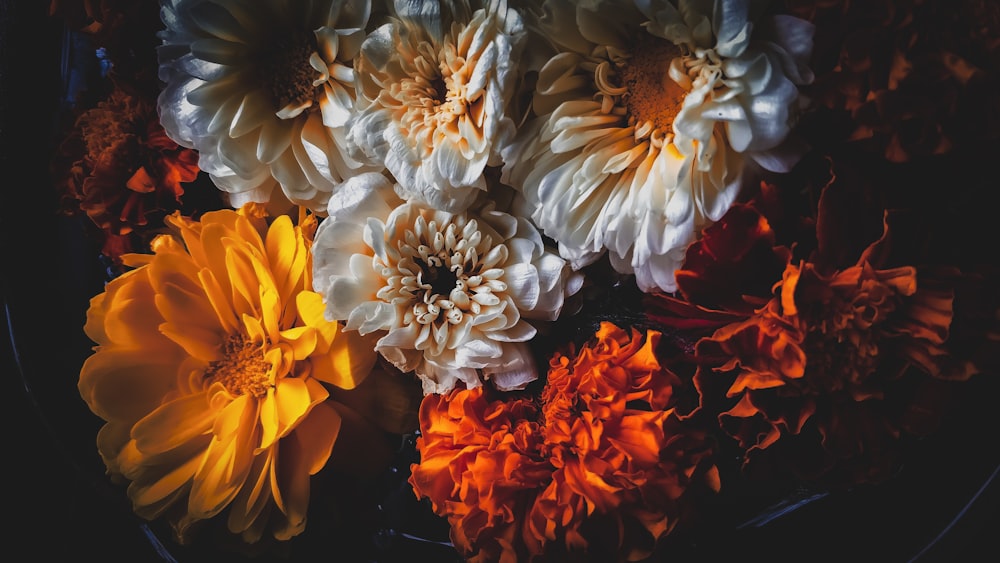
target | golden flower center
[
  {"x": 242, "y": 369},
  {"x": 652, "y": 99},
  {"x": 285, "y": 70}
]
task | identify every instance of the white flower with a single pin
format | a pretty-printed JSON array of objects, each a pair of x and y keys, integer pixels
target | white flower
[
  {"x": 433, "y": 86},
  {"x": 263, "y": 90},
  {"x": 450, "y": 294},
  {"x": 646, "y": 116}
]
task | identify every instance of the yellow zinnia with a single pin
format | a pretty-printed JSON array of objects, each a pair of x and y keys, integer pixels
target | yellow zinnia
[{"x": 208, "y": 368}]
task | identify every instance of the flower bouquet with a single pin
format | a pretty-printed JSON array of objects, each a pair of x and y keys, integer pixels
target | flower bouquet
[{"x": 562, "y": 280}]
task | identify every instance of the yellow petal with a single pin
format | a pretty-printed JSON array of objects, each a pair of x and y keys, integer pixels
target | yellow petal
[
  {"x": 198, "y": 342},
  {"x": 174, "y": 423},
  {"x": 126, "y": 384},
  {"x": 245, "y": 284},
  {"x": 269, "y": 420},
  {"x": 249, "y": 504},
  {"x": 302, "y": 340},
  {"x": 311, "y": 310},
  {"x": 219, "y": 300},
  {"x": 287, "y": 256},
  {"x": 228, "y": 460},
  {"x": 270, "y": 309},
  {"x": 350, "y": 359},
  {"x": 295, "y": 397},
  {"x": 186, "y": 306},
  {"x": 169, "y": 483},
  {"x": 316, "y": 436}
]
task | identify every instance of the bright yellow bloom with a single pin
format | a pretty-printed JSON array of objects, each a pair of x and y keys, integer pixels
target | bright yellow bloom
[{"x": 208, "y": 368}]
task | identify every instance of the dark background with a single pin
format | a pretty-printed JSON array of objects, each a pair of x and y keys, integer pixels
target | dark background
[
  {"x": 59, "y": 507},
  {"x": 944, "y": 506}
]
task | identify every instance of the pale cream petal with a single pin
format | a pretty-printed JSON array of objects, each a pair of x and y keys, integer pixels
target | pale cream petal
[{"x": 218, "y": 101}]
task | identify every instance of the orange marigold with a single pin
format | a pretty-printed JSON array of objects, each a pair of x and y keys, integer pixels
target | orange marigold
[
  {"x": 860, "y": 340},
  {"x": 119, "y": 167},
  {"x": 826, "y": 350},
  {"x": 595, "y": 468}
]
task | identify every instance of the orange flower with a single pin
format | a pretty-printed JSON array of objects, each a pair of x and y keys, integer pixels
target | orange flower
[
  {"x": 209, "y": 370},
  {"x": 120, "y": 168},
  {"x": 596, "y": 468},
  {"x": 853, "y": 349},
  {"x": 829, "y": 351}
]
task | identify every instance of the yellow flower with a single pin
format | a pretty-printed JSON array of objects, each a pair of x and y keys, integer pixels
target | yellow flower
[{"x": 208, "y": 368}]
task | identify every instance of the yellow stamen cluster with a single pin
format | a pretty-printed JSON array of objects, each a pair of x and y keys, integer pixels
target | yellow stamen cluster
[{"x": 242, "y": 369}]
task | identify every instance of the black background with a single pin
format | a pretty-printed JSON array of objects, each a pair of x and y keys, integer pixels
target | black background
[{"x": 60, "y": 507}]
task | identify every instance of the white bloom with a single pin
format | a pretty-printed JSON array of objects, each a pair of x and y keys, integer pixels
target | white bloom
[
  {"x": 433, "y": 86},
  {"x": 646, "y": 115},
  {"x": 263, "y": 90},
  {"x": 450, "y": 294}
]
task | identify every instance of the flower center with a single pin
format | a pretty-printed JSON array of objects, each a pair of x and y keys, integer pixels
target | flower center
[
  {"x": 446, "y": 273},
  {"x": 242, "y": 369},
  {"x": 420, "y": 94},
  {"x": 285, "y": 70},
  {"x": 441, "y": 279},
  {"x": 842, "y": 345},
  {"x": 652, "y": 99},
  {"x": 115, "y": 124}
]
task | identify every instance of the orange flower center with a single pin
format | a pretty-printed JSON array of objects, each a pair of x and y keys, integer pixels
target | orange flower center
[
  {"x": 112, "y": 126},
  {"x": 843, "y": 340},
  {"x": 242, "y": 369},
  {"x": 652, "y": 99},
  {"x": 285, "y": 70}
]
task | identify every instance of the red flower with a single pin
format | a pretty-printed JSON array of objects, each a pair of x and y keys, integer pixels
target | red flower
[
  {"x": 851, "y": 350},
  {"x": 119, "y": 167}
]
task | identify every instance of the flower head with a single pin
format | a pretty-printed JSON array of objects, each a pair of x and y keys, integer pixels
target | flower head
[
  {"x": 209, "y": 370},
  {"x": 263, "y": 90},
  {"x": 596, "y": 468},
  {"x": 450, "y": 295},
  {"x": 434, "y": 84},
  {"x": 645, "y": 119},
  {"x": 852, "y": 349},
  {"x": 823, "y": 355},
  {"x": 119, "y": 167}
]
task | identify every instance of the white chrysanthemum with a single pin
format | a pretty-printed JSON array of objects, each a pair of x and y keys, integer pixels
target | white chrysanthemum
[
  {"x": 450, "y": 294},
  {"x": 263, "y": 90},
  {"x": 645, "y": 118},
  {"x": 433, "y": 86}
]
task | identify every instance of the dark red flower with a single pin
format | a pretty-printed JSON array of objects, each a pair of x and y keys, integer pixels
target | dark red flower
[
  {"x": 119, "y": 167},
  {"x": 826, "y": 372}
]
